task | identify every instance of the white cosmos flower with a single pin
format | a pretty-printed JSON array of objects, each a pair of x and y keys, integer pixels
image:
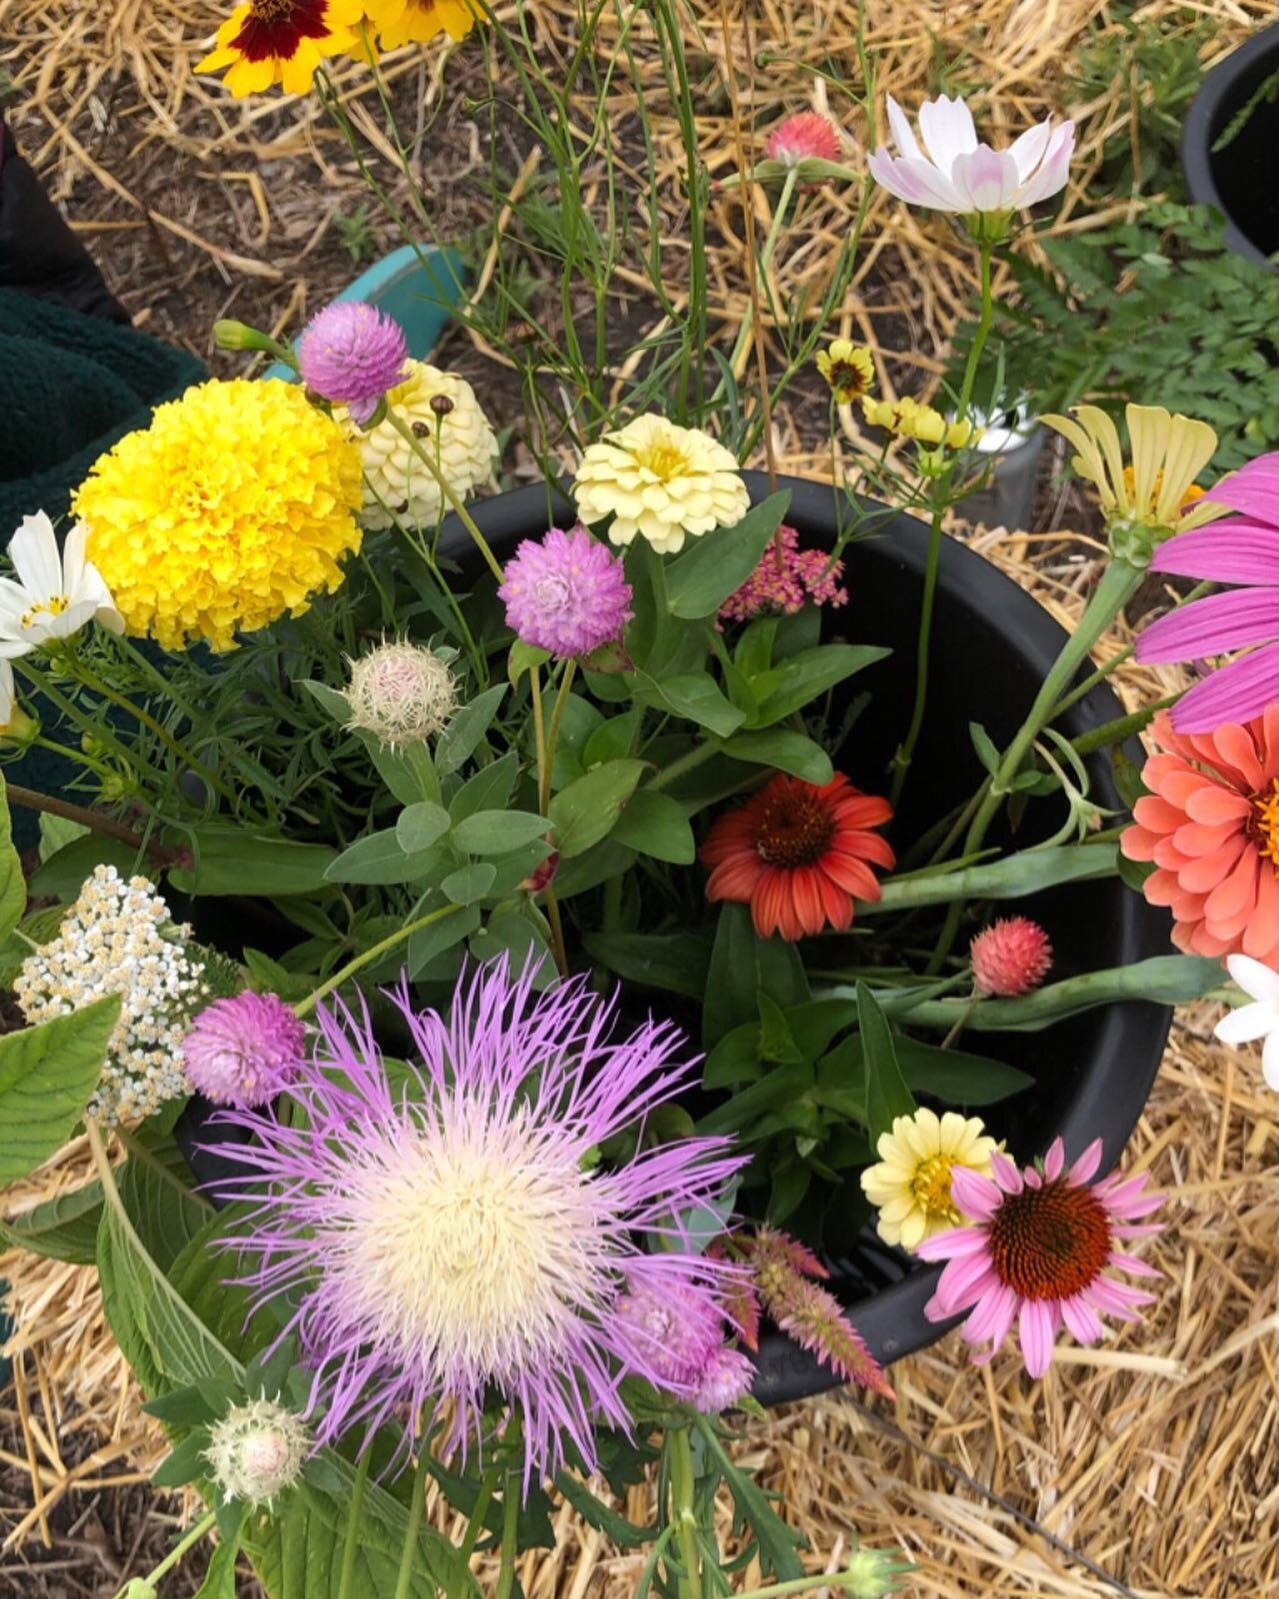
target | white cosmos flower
[
  {"x": 1258, "y": 1020},
  {"x": 55, "y": 594},
  {"x": 953, "y": 172}
]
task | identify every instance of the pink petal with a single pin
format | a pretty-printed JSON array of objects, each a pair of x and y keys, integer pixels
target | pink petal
[
  {"x": 992, "y": 1316},
  {"x": 954, "y": 1244},
  {"x": 964, "y": 1282},
  {"x": 1032, "y": 1178},
  {"x": 1254, "y": 489},
  {"x": 986, "y": 178},
  {"x": 1212, "y": 626},
  {"x": 974, "y": 1194},
  {"x": 1085, "y": 1168},
  {"x": 1234, "y": 693},
  {"x": 1130, "y": 1263},
  {"x": 1082, "y": 1321},
  {"x": 1116, "y": 1298},
  {"x": 1055, "y": 170},
  {"x": 1055, "y": 1160},
  {"x": 1036, "y": 1331},
  {"x": 1233, "y": 551},
  {"x": 1005, "y": 1173}
]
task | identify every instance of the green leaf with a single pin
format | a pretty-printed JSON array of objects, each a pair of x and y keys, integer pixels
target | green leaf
[
  {"x": 698, "y": 583},
  {"x": 586, "y": 811},
  {"x": 228, "y": 859},
  {"x": 655, "y": 824},
  {"x": 468, "y": 725},
  {"x": 784, "y": 750},
  {"x": 380, "y": 858},
  {"x": 408, "y": 771},
  {"x": 328, "y": 699},
  {"x": 155, "y": 1188},
  {"x": 595, "y": 866},
  {"x": 677, "y": 962},
  {"x": 743, "y": 965},
  {"x": 987, "y": 754},
  {"x": 625, "y": 1534},
  {"x": 184, "y": 1407},
  {"x": 219, "y": 1574},
  {"x": 47, "y": 1074},
  {"x": 776, "y": 1041},
  {"x": 611, "y": 740},
  {"x": 516, "y": 934},
  {"x": 886, "y": 1093},
  {"x": 777, "y": 1542},
  {"x": 488, "y": 790},
  {"x": 65, "y": 1228},
  {"x": 13, "y": 887},
  {"x": 40, "y": 927},
  {"x": 694, "y": 695},
  {"x": 184, "y": 1463},
  {"x": 794, "y": 682},
  {"x": 957, "y": 1077},
  {"x": 498, "y": 832},
  {"x": 469, "y": 883},
  {"x": 63, "y": 875},
  {"x": 420, "y": 825},
  {"x": 1013, "y": 878},
  {"x": 522, "y": 657}
]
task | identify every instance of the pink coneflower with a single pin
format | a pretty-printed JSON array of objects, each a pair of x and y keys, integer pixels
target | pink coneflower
[
  {"x": 244, "y": 1050},
  {"x": 1241, "y": 549},
  {"x": 566, "y": 593},
  {"x": 786, "y": 579},
  {"x": 680, "y": 1335},
  {"x": 806, "y": 135},
  {"x": 457, "y": 1235},
  {"x": 351, "y": 354},
  {"x": 1038, "y": 1252},
  {"x": 1010, "y": 957}
]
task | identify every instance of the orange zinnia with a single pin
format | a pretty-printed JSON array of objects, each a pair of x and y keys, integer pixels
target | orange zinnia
[
  {"x": 797, "y": 853},
  {"x": 1210, "y": 824}
]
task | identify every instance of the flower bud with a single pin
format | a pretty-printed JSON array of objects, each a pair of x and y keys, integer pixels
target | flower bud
[
  {"x": 231, "y": 335},
  {"x": 20, "y": 731},
  {"x": 401, "y": 693},
  {"x": 139, "y": 1588},
  {"x": 256, "y": 1451}
]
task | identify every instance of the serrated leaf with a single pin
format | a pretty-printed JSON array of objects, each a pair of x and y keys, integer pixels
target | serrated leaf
[
  {"x": 777, "y": 1542},
  {"x": 47, "y": 1075},
  {"x": 625, "y": 1534},
  {"x": 585, "y": 812}
]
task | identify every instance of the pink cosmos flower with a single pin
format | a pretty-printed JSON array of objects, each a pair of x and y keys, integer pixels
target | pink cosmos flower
[
  {"x": 951, "y": 172},
  {"x": 566, "y": 593},
  {"x": 1038, "y": 1252},
  {"x": 1241, "y": 549},
  {"x": 805, "y": 135}
]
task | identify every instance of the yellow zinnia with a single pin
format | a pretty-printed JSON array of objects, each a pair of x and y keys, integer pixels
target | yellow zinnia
[
  {"x": 398, "y": 22},
  {"x": 848, "y": 369},
  {"x": 232, "y": 508},
  {"x": 910, "y": 1187},
  {"x": 282, "y": 41},
  {"x": 659, "y": 482},
  {"x": 1168, "y": 454}
]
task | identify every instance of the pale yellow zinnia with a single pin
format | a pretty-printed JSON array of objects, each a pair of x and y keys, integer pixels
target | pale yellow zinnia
[
  {"x": 910, "y": 1187},
  {"x": 659, "y": 482}
]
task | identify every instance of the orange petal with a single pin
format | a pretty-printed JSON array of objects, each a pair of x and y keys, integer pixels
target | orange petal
[{"x": 1202, "y": 875}]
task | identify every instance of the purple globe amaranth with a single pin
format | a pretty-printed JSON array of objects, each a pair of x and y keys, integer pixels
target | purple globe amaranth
[
  {"x": 453, "y": 1234},
  {"x": 351, "y": 354},
  {"x": 681, "y": 1336},
  {"x": 566, "y": 593},
  {"x": 244, "y": 1050}
]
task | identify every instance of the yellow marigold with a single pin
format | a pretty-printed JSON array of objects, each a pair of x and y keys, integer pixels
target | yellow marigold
[
  {"x": 231, "y": 509},
  {"x": 910, "y": 1187},
  {"x": 445, "y": 417},
  {"x": 848, "y": 369},
  {"x": 661, "y": 482},
  {"x": 398, "y": 22},
  {"x": 908, "y": 419}
]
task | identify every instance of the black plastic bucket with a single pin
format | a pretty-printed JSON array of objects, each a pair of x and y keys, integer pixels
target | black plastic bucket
[
  {"x": 992, "y": 647},
  {"x": 1238, "y": 180}
]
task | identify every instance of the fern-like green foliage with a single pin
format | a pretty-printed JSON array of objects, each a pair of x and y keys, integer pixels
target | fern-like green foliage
[{"x": 1157, "y": 312}]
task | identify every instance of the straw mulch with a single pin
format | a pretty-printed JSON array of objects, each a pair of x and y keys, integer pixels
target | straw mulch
[{"x": 1145, "y": 1467}]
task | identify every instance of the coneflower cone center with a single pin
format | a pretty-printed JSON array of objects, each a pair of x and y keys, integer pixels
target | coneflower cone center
[
  {"x": 794, "y": 830},
  {"x": 1049, "y": 1242},
  {"x": 471, "y": 1245}
]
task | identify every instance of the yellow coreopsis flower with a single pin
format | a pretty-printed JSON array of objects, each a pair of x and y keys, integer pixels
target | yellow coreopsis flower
[
  {"x": 230, "y": 510},
  {"x": 910, "y": 1187},
  {"x": 848, "y": 369},
  {"x": 1168, "y": 453},
  {"x": 282, "y": 41},
  {"x": 908, "y": 419},
  {"x": 398, "y": 22}
]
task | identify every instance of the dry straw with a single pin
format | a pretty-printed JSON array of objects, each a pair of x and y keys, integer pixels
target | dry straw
[{"x": 1153, "y": 1456}]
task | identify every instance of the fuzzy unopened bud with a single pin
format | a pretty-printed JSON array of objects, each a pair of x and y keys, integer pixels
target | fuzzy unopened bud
[
  {"x": 256, "y": 1451},
  {"x": 401, "y": 693},
  {"x": 871, "y": 1573},
  {"x": 1010, "y": 957}
]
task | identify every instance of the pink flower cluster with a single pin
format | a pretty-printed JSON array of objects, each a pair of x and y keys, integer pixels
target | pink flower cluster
[{"x": 785, "y": 580}]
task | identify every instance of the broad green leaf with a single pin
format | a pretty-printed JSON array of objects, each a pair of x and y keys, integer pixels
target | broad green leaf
[
  {"x": 228, "y": 860},
  {"x": 694, "y": 695},
  {"x": 677, "y": 962},
  {"x": 380, "y": 858},
  {"x": 886, "y": 1093},
  {"x": 654, "y": 824},
  {"x": 63, "y": 875},
  {"x": 65, "y": 1228},
  {"x": 784, "y": 750},
  {"x": 13, "y": 887},
  {"x": 40, "y": 927},
  {"x": 428, "y": 942},
  {"x": 984, "y": 745},
  {"x": 518, "y": 935},
  {"x": 408, "y": 770},
  {"x": 950, "y": 1075},
  {"x": 498, "y": 832},
  {"x": 801, "y": 678},
  {"x": 420, "y": 825},
  {"x": 716, "y": 564},
  {"x": 155, "y": 1187},
  {"x": 184, "y": 1462},
  {"x": 612, "y": 740},
  {"x": 585, "y": 812},
  {"x": 742, "y": 965},
  {"x": 467, "y": 726},
  {"x": 57, "y": 831},
  {"x": 219, "y": 1574},
  {"x": 595, "y": 866},
  {"x": 469, "y": 883},
  {"x": 522, "y": 657},
  {"x": 328, "y": 699},
  {"x": 488, "y": 790},
  {"x": 47, "y": 1075}
]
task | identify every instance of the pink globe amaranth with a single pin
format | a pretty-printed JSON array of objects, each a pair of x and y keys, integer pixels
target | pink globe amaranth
[
  {"x": 806, "y": 135},
  {"x": 1011, "y": 957},
  {"x": 244, "y": 1051},
  {"x": 566, "y": 593},
  {"x": 351, "y": 354}
]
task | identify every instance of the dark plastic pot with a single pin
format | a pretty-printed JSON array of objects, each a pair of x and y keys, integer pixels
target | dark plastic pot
[
  {"x": 1238, "y": 179},
  {"x": 992, "y": 646}
]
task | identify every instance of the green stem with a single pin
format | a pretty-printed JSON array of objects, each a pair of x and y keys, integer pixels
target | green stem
[
  {"x": 510, "y": 1517},
  {"x": 446, "y": 488},
  {"x": 544, "y": 754},
  {"x": 685, "y": 1516},
  {"x": 93, "y": 820},
  {"x": 305, "y": 1006},
  {"x": 557, "y": 716},
  {"x": 202, "y": 1528},
  {"x": 1100, "y": 738},
  {"x": 685, "y": 763},
  {"x": 417, "y": 1505},
  {"x": 746, "y": 331},
  {"x": 479, "y": 1510},
  {"x": 352, "y": 1542}
]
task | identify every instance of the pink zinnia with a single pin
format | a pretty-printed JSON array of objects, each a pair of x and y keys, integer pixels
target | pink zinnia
[
  {"x": 1241, "y": 549},
  {"x": 1039, "y": 1251},
  {"x": 566, "y": 593},
  {"x": 1010, "y": 957},
  {"x": 244, "y": 1051},
  {"x": 803, "y": 136},
  {"x": 786, "y": 579},
  {"x": 438, "y": 1238},
  {"x": 351, "y": 354}
]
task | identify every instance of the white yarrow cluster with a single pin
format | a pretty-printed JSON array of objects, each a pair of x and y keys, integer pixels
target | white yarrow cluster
[
  {"x": 256, "y": 1451},
  {"x": 113, "y": 941}
]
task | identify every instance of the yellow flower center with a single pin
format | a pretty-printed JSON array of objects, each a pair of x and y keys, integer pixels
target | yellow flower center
[
  {"x": 930, "y": 1187},
  {"x": 663, "y": 459},
  {"x": 1265, "y": 824},
  {"x": 53, "y": 606},
  {"x": 1193, "y": 493}
]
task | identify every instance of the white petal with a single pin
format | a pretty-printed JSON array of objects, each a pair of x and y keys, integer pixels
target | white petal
[
  {"x": 15, "y": 602},
  {"x": 1028, "y": 149},
  {"x": 11, "y": 648},
  {"x": 1257, "y": 980},
  {"x": 903, "y": 134},
  {"x": 33, "y": 550},
  {"x": 70, "y": 621},
  {"x": 73, "y": 562},
  {"x": 985, "y": 178},
  {"x": 6, "y": 690},
  {"x": 947, "y": 130},
  {"x": 1055, "y": 170},
  {"x": 1270, "y": 1060},
  {"x": 1248, "y": 1022}
]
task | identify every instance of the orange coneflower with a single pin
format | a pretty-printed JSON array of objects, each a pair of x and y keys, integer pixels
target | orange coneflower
[
  {"x": 281, "y": 41},
  {"x": 797, "y": 853}
]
